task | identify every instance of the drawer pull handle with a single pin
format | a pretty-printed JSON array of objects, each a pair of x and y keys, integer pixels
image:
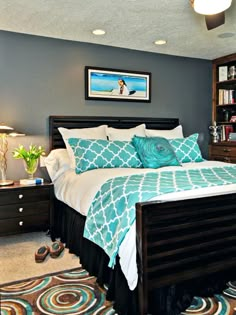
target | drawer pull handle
[
  {"x": 21, "y": 209},
  {"x": 21, "y": 196},
  {"x": 21, "y": 223},
  {"x": 227, "y": 150}
]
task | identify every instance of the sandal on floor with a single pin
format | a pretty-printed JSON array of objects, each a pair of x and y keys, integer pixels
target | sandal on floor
[
  {"x": 56, "y": 249},
  {"x": 41, "y": 253}
]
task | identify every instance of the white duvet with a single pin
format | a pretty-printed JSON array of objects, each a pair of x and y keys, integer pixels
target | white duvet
[{"x": 78, "y": 191}]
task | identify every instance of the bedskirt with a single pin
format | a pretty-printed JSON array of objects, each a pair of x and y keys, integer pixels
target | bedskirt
[{"x": 68, "y": 225}]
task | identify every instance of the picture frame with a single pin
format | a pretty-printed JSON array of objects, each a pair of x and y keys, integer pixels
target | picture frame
[{"x": 117, "y": 85}]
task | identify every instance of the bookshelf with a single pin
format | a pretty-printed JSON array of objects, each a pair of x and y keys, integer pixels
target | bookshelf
[{"x": 224, "y": 108}]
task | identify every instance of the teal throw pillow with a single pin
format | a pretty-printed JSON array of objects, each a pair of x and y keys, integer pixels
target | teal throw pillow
[
  {"x": 93, "y": 154},
  {"x": 155, "y": 152},
  {"x": 187, "y": 149}
]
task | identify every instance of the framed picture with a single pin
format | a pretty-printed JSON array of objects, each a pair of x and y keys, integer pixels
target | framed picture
[{"x": 117, "y": 85}]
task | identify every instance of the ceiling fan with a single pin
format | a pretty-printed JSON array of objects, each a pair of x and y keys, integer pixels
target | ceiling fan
[{"x": 214, "y": 11}]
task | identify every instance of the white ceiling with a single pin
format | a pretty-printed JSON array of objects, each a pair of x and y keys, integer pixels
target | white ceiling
[{"x": 133, "y": 24}]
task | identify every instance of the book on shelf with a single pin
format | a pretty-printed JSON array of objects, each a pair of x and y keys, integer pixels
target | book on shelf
[
  {"x": 223, "y": 73},
  {"x": 226, "y": 96},
  {"x": 226, "y": 130}
]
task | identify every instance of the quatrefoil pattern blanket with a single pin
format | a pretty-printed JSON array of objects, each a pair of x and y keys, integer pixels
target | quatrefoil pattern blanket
[{"x": 112, "y": 211}]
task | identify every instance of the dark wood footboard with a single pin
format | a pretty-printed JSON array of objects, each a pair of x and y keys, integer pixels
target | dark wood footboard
[{"x": 179, "y": 241}]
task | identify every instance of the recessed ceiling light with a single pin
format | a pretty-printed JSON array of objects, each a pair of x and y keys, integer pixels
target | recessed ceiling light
[
  {"x": 98, "y": 32},
  {"x": 160, "y": 42}
]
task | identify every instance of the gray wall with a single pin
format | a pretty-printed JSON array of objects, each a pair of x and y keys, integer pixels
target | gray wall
[{"x": 43, "y": 76}]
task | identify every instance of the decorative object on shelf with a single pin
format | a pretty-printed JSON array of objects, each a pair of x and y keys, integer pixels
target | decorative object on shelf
[
  {"x": 233, "y": 119},
  {"x": 214, "y": 131},
  {"x": 232, "y": 136},
  {"x": 232, "y": 72},
  {"x": 226, "y": 115},
  {"x": 30, "y": 157},
  {"x": 5, "y": 131},
  {"x": 117, "y": 85},
  {"x": 223, "y": 73}
]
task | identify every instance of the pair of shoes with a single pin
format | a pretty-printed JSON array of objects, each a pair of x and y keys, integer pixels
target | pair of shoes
[{"x": 55, "y": 250}]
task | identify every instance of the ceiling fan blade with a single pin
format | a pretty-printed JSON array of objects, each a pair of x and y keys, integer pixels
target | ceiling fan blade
[{"x": 215, "y": 20}]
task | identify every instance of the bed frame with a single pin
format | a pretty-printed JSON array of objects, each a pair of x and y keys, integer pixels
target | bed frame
[{"x": 178, "y": 242}]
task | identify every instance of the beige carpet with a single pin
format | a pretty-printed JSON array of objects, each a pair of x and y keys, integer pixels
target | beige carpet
[{"x": 17, "y": 257}]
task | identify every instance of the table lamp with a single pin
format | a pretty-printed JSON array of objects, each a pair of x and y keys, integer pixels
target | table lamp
[{"x": 5, "y": 131}]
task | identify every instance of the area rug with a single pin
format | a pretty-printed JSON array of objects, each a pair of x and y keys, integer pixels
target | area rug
[
  {"x": 220, "y": 304},
  {"x": 69, "y": 292},
  {"x": 76, "y": 292}
]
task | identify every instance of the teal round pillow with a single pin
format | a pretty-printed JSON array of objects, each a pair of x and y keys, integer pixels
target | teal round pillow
[{"x": 155, "y": 152}]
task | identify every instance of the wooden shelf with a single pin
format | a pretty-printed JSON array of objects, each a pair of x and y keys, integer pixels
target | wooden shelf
[{"x": 223, "y": 108}]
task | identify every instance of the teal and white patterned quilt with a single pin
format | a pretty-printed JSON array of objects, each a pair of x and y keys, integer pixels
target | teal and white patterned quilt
[{"x": 112, "y": 211}]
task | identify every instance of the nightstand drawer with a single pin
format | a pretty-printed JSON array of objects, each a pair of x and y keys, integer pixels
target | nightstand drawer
[
  {"x": 24, "y": 224},
  {"x": 23, "y": 195},
  {"x": 224, "y": 158},
  {"x": 16, "y": 210},
  {"x": 223, "y": 151}
]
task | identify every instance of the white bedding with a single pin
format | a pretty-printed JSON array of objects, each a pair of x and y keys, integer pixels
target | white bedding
[{"x": 78, "y": 191}]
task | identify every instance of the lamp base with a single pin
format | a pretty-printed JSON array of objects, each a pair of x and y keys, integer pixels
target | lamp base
[{"x": 6, "y": 182}]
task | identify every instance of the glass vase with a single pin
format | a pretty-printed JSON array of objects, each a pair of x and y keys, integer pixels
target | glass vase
[{"x": 31, "y": 167}]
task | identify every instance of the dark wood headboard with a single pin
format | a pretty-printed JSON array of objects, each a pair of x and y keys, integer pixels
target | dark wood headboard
[{"x": 71, "y": 122}]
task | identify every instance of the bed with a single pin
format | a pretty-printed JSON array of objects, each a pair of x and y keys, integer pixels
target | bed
[{"x": 184, "y": 247}]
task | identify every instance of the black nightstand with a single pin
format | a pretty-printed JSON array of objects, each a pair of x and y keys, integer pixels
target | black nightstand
[{"x": 25, "y": 208}]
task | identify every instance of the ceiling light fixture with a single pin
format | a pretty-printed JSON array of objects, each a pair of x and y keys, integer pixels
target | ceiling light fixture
[
  {"x": 98, "y": 32},
  {"x": 209, "y": 7},
  {"x": 160, "y": 42}
]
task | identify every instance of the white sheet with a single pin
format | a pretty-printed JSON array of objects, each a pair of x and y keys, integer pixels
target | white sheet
[{"x": 78, "y": 191}]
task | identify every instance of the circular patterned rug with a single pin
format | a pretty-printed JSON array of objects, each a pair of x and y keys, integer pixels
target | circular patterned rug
[
  {"x": 76, "y": 292},
  {"x": 220, "y": 304},
  {"x": 73, "y": 292}
]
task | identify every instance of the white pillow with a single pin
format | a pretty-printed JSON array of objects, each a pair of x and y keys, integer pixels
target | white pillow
[
  {"x": 83, "y": 133},
  {"x": 177, "y": 132},
  {"x": 125, "y": 134},
  {"x": 57, "y": 162}
]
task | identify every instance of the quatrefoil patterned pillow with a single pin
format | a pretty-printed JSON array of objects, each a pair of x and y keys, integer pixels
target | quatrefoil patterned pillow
[
  {"x": 187, "y": 149},
  {"x": 94, "y": 154}
]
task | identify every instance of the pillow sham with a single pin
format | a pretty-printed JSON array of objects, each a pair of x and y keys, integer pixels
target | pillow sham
[
  {"x": 57, "y": 162},
  {"x": 187, "y": 149},
  {"x": 83, "y": 133},
  {"x": 125, "y": 134},
  {"x": 93, "y": 154},
  {"x": 177, "y": 132},
  {"x": 155, "y": 152}
]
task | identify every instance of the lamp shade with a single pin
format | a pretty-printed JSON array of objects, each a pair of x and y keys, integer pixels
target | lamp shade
[
  {"x": 209, "y": 7},
  {"x": 5, "y": 129}
]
